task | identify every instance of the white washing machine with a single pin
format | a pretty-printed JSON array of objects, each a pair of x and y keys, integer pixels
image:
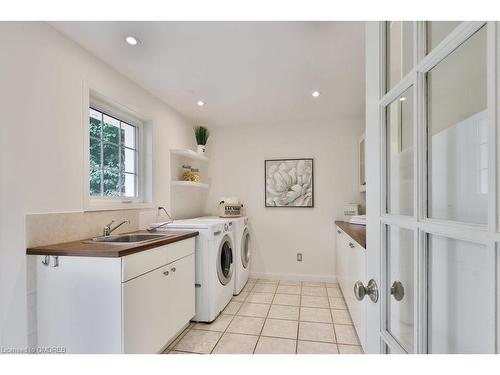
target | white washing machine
[
  {"x": 214, "y": 265},
  {"x": 242, "y": 252}
]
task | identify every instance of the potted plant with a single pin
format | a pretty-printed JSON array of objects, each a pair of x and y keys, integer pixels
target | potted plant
[{"x": 202, "y": 135}]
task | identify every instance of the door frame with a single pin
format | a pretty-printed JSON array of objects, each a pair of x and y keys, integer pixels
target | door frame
[{"x": 376, "y": 102}]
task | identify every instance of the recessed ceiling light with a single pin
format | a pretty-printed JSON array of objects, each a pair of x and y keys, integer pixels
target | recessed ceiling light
[
  {"x": 200, "y": 103},
  {"x": 402, "y": 99},
  {"x": 315, "y": 94},
  {"x": 131, "y": 40}
]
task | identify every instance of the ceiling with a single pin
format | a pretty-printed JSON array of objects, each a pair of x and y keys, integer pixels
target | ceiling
[{"x": 246, "y": 73}]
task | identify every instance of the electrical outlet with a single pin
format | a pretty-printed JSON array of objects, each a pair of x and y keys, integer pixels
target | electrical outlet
[{"x": 299, "y": 257}]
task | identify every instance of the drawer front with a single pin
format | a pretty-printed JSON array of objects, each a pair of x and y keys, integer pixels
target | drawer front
[
  {"x": 139, "y": 263},
  {"x": 181, "y": 249}
]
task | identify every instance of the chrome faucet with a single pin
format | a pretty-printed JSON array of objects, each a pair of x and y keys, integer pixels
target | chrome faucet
[
  {"x": 170, "y": 221},
  {"x": 107, "y": 229}
]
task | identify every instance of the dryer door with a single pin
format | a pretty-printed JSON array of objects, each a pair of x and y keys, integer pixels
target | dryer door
[
  {"x": 225, "y": 261},
  {"x": 245, "y": 249}
]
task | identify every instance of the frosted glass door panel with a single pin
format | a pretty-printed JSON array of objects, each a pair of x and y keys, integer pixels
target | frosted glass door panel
[
  {"x": 399, "y": 37},
  {"x": 457, "y": 134},
  {"x": 399, "y": 155},
  {"x": 400, "y": 301},
  {"x": 437, "y": 31},
  {"x": 461, "y": 297}
]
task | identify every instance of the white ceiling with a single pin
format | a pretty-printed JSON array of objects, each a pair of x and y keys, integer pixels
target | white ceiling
[{"x": 247, "y": 73}]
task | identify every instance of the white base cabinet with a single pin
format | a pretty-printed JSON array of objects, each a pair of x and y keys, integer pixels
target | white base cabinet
[
  {"x": 134, "y": 304},
  {"x": 350, "y": 264}
]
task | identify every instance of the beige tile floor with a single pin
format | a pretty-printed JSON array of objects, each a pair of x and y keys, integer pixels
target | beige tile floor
[{"x": 280, "y": 317}]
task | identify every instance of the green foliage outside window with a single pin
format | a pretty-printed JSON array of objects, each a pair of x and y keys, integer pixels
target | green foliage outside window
[{"x": 106, "y": 138}]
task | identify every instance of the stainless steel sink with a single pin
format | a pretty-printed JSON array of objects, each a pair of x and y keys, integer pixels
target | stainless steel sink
[{"x": 129, "y": 238}]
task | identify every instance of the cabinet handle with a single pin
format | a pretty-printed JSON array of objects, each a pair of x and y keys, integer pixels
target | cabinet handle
[
  {"x": 351, "y": 245},
  {"x": 339, "y": 232},
  {"x": 166, "y": 273},
  {"x": 46, "y": 260},
  {"x": 173, "y": 269}
]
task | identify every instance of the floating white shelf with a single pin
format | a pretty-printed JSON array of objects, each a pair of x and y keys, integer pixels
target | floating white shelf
[
  {"x": 189, "y": 183},
  {"x": 186, "y": 153}
]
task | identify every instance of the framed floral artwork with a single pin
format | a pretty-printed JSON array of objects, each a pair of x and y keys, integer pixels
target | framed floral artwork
[{"x": 289, "y": 183}]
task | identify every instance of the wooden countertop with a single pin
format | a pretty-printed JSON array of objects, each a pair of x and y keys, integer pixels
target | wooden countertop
[
  {"x": 356, "y": 231},
  {"x": 109, "y": 250}
]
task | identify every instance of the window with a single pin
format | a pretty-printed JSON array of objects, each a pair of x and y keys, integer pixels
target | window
[{"x": 113, "y": 156}]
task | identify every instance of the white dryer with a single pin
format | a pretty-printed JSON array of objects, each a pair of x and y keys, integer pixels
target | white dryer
[
  {"x": 214, "y": 269},
  {"x": 242, "y": 254}
]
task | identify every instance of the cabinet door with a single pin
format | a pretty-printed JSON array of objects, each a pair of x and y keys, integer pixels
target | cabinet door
[
  {"x": 181, "y": 301},
  {"x": 343, "y": 266},
  {"x": 357, "y": 271},
  {"x": 350, "y": 275},
  {"x": 338, "y": 255},
  {"x": 146, "y": 322},
  {"x": 79, "y": 304}
]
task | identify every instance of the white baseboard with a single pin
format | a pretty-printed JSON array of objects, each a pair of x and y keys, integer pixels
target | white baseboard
[{"x": 293, "y": 277}]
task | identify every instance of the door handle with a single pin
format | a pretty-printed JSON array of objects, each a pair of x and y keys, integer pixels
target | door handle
[
  {"x": 397, "y": 290},
  {"x": 370, "y": 290}
]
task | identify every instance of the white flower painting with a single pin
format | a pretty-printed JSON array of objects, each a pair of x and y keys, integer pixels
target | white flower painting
[{"x": 289, "y": 183}]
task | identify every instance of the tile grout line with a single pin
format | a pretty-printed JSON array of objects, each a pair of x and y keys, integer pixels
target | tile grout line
[
  {"x": 272, "y": 337},
  {"x": 321, "y": 308},
  {"x": 298, "y": 323},
  {"x": 265, "y": 319},
  {"x": 350, "y": 317},
  {"x": 189, "y": 328},
  {"x": 236, "y": 312},
  {"x": 333, "y": 325},
  {"x": 180, "y": 336}
]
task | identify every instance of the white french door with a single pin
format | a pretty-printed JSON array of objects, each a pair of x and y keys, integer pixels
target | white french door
[{"x": 431, "y": 172}]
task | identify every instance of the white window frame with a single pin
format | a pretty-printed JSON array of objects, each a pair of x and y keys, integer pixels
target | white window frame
[{"x": 93, "y": 98}]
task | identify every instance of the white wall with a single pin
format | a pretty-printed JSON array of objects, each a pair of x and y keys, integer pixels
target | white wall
[
  {"x": 237, "y": 169},
  {"x": 41, "y": 138}
]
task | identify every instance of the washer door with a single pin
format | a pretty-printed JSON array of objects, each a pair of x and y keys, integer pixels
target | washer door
[
  {"x": 245, "y": 249},
  {"x": 225, "y": 261}
]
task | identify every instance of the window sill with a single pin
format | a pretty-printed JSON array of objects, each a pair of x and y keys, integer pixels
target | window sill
[{"x": 115, "y": 206}]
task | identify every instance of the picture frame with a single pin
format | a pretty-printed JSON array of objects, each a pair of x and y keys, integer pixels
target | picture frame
[{"x": 289, "y": 183}]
